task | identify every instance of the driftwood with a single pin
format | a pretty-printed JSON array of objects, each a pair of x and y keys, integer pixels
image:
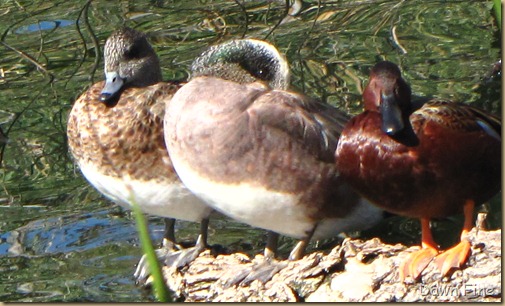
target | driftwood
[{"x": 354, "y": 271}]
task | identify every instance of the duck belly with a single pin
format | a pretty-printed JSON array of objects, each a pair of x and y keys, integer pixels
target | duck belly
[{"x": 159, "y": 198}]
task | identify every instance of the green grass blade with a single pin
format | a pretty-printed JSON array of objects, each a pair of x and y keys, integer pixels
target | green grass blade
[
  {"x": 161, "y": 292},
  {"x": 497, "y": 11}
]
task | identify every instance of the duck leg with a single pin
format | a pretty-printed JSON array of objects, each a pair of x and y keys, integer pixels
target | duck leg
[
  {"x": 184, "y": 256},
  {"x": 456, "y": 256},
  {"x": 169, "y": 245},
  {"x": 171, "y": 253},
  {"x": 271, "y": 247},
  {"x": 416, "y": 262},
  {"x": 266, "y": 270},
  {"x": 269, "y": 266},
  {"x": 299, "y": 250},
  {"x": 263, "y": 270},
  {"x": 169, "y": 241}
]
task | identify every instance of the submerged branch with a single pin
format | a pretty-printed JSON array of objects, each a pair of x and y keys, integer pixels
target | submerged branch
[{"x": 29, "y": 58}]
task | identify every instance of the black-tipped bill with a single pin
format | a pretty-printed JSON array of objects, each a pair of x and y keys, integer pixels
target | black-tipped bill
[
  {"x": 113, "y": 84},
  {"x": 392, "y": 119}
]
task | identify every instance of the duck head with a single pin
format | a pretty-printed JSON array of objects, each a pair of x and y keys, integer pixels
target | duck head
[
  {"x": 389, "y": 94},
  {"x": 129, "y": 61},
  {"x": 244, "y": 61}
]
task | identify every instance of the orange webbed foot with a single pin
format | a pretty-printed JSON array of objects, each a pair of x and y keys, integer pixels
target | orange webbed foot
[
  {"x": 454, "y": 257},
  {"x": 416, "y": 262}
]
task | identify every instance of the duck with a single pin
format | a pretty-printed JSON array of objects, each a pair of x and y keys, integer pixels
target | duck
[
  {"x": 115, "y": 136},
  {"x": 260, "y": 153},
  {"x": 423, "y": 161}
]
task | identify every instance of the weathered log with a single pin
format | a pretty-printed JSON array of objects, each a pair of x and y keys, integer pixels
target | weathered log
[{"x": 354, "y": 271}]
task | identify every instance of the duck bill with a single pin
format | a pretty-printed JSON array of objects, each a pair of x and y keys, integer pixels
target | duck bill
[
  {"x": 392, "y": 119},
  {"x": 113, "y": 84}
]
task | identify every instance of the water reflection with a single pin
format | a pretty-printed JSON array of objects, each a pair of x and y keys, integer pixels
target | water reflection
[
  {"x": 84, "y": 252},
  {"x": 51, "y": 220},
  {"x": 71, "y": 233},
  {"x": 43, "y": 26}
]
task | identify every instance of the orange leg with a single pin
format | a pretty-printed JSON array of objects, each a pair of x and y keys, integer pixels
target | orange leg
[
  {"x": 416, "y": 262},
  {"x": 456, "y": 256}
]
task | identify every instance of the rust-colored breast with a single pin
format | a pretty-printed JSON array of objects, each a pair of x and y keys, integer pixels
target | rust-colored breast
[{"x": 443, "y": 159}]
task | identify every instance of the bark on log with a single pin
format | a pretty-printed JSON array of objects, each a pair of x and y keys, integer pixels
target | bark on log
[{"x": 356, "y": 271}]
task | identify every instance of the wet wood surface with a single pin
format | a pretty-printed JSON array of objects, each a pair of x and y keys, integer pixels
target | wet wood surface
[{"x": 355, "y": 271}]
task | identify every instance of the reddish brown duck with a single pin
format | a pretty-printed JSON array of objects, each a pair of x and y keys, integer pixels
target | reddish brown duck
[{"x": 434, "y": 161}]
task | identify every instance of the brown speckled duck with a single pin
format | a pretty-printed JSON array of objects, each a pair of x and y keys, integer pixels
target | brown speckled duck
[
  {"x": 115, "y": 134},
  {"x": 258, "y": 153},
  {"x": 434, "y": 161}
]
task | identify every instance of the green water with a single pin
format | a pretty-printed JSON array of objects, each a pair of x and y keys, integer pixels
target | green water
[{"x": 61, "y": 241}]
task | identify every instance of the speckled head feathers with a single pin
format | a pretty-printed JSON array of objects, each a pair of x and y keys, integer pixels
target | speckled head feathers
[{"x": 129, "y": 61}]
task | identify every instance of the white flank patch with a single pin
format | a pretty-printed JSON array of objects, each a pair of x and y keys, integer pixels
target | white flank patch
[
  {"x": 253, "y": 205},
  {"x": 164, "y": 200}
]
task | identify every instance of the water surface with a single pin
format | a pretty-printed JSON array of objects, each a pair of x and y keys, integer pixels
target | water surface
[{"x": 61, "y": 241}]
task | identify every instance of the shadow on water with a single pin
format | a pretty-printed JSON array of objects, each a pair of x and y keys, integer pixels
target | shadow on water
[{"x": 61, "y": 241}]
